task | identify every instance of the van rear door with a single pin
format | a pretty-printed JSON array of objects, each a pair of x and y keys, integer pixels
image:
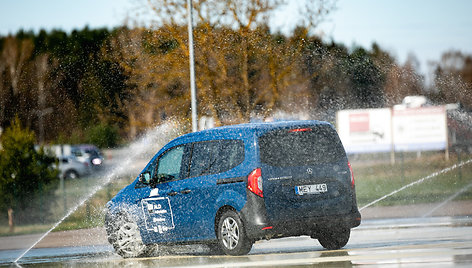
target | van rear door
[{"x": 305, "y": 173}]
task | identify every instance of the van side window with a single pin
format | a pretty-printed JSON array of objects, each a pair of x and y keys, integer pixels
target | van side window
[
  {"x": 170, "y": 163},
  {"x": 213, "y": 157},
  {"x": 231, "y": 154},
  {"x": 76, "y": 152}
]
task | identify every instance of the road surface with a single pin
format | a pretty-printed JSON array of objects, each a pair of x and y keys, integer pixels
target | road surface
[{"x": 419, "y": 242}]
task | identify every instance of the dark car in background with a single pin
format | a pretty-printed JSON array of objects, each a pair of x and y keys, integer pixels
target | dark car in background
[{"x": 230, "y": 186}]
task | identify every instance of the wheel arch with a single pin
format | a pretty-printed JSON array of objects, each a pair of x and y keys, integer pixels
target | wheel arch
[
  {"x": 220, "y": 212},
  {"x": 119, "y": 210},
  {"x": 69, "y": 171}
]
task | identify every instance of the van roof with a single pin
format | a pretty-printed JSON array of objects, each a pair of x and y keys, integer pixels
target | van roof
[
  {"x": 270, "y": 125},
  {"x": 240, "y": 131},
  {"x": 253, "y": 127}
]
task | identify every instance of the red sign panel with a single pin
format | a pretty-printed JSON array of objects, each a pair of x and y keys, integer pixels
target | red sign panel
[{"x": 359, "y": 122}]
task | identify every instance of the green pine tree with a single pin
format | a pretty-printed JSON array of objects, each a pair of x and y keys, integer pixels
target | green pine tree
[{"x": 25, "y": 174}]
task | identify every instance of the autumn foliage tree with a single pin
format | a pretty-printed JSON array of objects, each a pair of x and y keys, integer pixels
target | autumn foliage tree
[
  {"x": 67, "y": 87},
  {"x": 453, "y": 78},
  {"x": 242, "y": 69}
]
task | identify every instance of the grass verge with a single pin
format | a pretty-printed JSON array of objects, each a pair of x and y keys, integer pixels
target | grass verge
[{"x": 376, "y": 180}]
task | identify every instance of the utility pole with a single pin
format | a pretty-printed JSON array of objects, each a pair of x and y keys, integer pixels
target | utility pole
[
  {"x": 193, "y": 90},
  {"x": 42, "y": 111}
]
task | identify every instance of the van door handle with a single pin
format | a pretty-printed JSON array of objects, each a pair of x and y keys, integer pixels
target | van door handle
[
  {"x": 186, "y": 191},
  {"x": 172, "y": 193}
]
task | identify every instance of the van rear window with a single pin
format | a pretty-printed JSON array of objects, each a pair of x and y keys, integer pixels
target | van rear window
[
  {"x": 213, "y": 157},
  {"x": 301, "y": 147}
]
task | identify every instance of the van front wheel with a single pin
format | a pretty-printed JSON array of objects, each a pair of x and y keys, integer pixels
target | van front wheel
[
  {"x": 123, "y": 234},
  {"x": 232, "y": 235}
]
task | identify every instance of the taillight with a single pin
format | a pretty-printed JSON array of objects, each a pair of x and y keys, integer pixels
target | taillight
[
  {"x": 352, "y": 174},
  {"x": 254, "y": 182},
  {"x": 299, "y": 130}
]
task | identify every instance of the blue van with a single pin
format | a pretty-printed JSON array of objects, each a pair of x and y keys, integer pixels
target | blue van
[{"x": 230, "y": 186}]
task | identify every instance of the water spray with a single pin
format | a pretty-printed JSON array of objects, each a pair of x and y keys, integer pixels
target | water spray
[
  {"x": 108, "y": 179},
  {"x": 449, "y": 199},
  {"x": 417, "y": 182},
  {"x": 154, "y": 137}
]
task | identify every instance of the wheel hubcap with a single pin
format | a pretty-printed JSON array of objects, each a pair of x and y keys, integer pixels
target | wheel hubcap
[
  {"x": 230, "y": 233},
  {"x": 128, "y": 239}
]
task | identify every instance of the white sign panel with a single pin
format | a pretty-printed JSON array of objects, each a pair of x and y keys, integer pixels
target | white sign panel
[
  {"x": 365, "y": 131},
  {"x": 408, "y": 129},
  {"x": 419, "y": 129}
]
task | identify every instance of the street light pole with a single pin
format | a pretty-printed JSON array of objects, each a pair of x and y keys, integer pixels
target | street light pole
[{"x": 193, "y": 90}]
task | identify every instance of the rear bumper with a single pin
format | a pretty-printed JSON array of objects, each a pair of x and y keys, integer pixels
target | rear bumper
[{"x": 258, "y": 226}]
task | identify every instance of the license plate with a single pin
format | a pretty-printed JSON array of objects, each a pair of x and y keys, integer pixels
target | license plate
[{"x": 311, "y": 189}]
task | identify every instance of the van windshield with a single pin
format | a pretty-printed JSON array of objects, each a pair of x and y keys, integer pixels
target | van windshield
[{"x": 301, "y": 146}]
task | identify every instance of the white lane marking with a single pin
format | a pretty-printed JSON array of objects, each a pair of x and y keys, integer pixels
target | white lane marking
[
  {"x": 417, "y": 182},
  {"x": 425, "y": 253},
  {"x": 452, "y": 197}
]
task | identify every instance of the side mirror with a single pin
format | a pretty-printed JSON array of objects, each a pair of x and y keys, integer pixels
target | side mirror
[{"x": 145, "y": 177}]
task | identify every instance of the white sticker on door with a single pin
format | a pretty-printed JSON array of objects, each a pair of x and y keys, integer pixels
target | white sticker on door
[{"x": 158, "y": 216}]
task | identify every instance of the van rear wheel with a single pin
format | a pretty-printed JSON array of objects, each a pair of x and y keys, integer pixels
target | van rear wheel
[
  {"x": 215, "y": 249},
  {"x": 232, "y": 235},
  {"x": 334, "y": 238}
]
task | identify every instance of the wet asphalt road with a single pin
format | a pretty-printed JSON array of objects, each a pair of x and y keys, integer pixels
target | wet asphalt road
[{"x": 410, "y": 242}]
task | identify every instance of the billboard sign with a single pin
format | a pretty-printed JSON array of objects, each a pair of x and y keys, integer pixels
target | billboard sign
[
  {"x": 363, "y": 131},
  {"x": 420, "y": 129},
  {"x": 385, "y": 129}
]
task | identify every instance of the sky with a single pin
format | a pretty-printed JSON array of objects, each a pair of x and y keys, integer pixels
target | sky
[{"x": 425, "y": 28}]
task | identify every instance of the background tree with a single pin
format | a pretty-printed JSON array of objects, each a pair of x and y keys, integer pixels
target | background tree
[
  {"x": 15, "y": 55},
  {"x": 69, "y": 87},
  {"x": 366, "y": 80},
  {"x": 241, "y": 69},
  {"x": 453, "y": 79},
  {"x": 401, "y": 80},
  {"x": 25, "y": 174},
  {"x": 60, "y": 84}
]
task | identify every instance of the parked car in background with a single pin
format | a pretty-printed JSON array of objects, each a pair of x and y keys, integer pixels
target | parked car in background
[
  {"x": 88, "y": 153},
  {"x": 71, "y": 168},
  {"x": 228, "y": 187}
]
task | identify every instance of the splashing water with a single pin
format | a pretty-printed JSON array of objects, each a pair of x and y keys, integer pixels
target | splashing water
[
  {"x": 449, "y": 199},
  {"x": 463, "y": 117},
  {"x": 156, "y": 137},
  {"x": 418, "y": 182}
]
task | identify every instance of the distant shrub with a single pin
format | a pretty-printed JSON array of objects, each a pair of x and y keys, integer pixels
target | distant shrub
[
  {"x": 26, "y": 175},
  {"x": 103, "y": 135}
]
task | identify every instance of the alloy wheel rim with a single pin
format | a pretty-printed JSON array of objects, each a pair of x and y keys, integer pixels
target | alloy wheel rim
[{"x": 230, "y": 233}]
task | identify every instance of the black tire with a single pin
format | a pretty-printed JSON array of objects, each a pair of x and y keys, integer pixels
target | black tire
[
  {"x": 215, "y": 249},
  {"x": 335, "y": 238},
  {"x": 71, "y": 174},
  {"x": 231, "y": 234},
  {"x": 124, "y": 236}
]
